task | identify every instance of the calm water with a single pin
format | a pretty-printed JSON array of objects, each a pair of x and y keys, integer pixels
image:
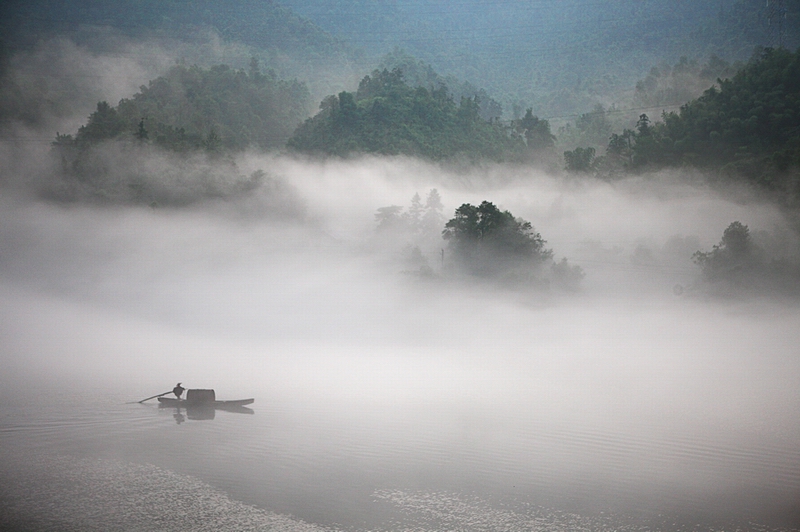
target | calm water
[
  {"x": 381, "y": 402},
  {"x": 93, "y": 463}
]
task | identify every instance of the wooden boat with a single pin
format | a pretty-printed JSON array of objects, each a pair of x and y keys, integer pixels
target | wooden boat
[
  {"x": 203, "y": 399},
  {"x": 184, "y": 403}
]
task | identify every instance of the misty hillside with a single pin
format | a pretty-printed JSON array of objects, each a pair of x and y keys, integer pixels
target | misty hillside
[
  {"x": 192, "y": 108},
  {"x": 744, "y": 127},
  {"x": 451, "y": 75},
  {"x": 387, "y": 116},
  {"x": 558, "y": 57},
  {"x": 201, "y": 32}
]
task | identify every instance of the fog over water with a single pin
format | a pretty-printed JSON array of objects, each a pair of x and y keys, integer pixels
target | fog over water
[
  {"x": 387, "y": 400},
  {"x": 633, "y": 397}
]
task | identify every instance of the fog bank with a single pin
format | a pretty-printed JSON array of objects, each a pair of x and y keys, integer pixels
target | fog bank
[{"x": 264, "y": 275}]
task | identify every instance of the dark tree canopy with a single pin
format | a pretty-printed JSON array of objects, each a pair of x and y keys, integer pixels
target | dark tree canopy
[
  {"x": 733, "y": 255},
  {"x": 387, "y": 116},
  {"x": 738, "y": 263},
  {"x": 579, "y": 159},
  {"x": 743, "y": 127},
  {"x": 536, "y": 132},
  {"x": 486, "y": 241},
  {"x": 198, "y": 108}
]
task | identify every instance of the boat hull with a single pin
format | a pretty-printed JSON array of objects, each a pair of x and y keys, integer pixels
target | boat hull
[{"x": 183, "y": 403}]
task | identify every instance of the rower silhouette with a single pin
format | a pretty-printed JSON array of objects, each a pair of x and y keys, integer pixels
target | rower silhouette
[{"x": 178, "y": 390}]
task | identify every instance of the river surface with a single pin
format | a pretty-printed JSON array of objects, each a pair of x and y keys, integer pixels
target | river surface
[
  {"x": 78, "y": 460},
  {"x": 382, "y": 401}
]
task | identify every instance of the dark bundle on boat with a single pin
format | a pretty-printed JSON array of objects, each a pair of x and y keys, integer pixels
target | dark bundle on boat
[{"x": 199, "y": 398}]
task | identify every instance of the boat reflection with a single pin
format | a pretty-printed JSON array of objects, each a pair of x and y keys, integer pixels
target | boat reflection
[
  {"x": 202, "y": 412},
  {"x": 199, "y": 404}
]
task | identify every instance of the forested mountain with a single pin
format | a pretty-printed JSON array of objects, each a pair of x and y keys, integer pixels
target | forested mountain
[
  {"x": 40, "y": 41},
  {"x": 466, "y": 69},
  {"x": 747, "y": 126},
  {"x": 191, "y": 108},
  {"x": 457, "y": 80},
  {"x": 390, "y": 117},
  {"x": 418, "y": 73},
  {"x": 558, "y": 57},
  {"x": 387, "y": 116},
  {"x": 673, "y": 85},
  {"x": 665, "y": 88}
]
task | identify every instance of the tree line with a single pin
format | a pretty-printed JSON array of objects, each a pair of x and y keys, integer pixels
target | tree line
[
  {"x": 387, "y": 116},
  {"x": 482, "y": 242},
  {"x": 192, "y": 108},
  {"x": 743, "y": 127},
  {"x": 485, "y": 242}
]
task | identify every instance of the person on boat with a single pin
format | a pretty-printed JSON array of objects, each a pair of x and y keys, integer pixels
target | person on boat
[{"x": 178, "y": 390}]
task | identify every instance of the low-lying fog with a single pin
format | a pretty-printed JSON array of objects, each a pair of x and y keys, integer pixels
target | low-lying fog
[
  {"x": 317, "y": 307},
  {"x": 290, "y": 295},
  {"x": 319, "y": 300}
]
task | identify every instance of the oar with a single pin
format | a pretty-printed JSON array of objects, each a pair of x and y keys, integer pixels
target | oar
[{"x": 143, "y": 400}]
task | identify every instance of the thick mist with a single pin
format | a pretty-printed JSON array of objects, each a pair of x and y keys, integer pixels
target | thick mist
[
  {"x": 317, "y": 309},
  {"x": 316, "y": 286},
  {"x": 266, "y": 276}
]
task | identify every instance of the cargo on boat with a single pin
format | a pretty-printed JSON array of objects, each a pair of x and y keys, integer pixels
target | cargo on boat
[{"x": 202, "y": 398}]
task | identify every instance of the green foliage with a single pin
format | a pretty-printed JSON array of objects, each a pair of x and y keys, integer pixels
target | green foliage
[
  {"x": 388, "y": 117},
  {"x": 203, "y": 114},
  {"x": 389, "y": 218},
  {"x": 431, "y": 218},
  {"x": 591, "y": 129},
  {"x": 418, "y": 228},
  {"x": 141, "y": 133},
  {"x": 560, "y": 58},
  {"x": 580, "y": 160},
  {"x": 195, "y": 108},
  {"x": 731, "y": 258},
  {"x": 739, "y": 264},
  {"x": 685, "y": 80},
  {"x": 104, "y": 124},
  {"x": 418, "y": 73},
  {"x": 744, "y": 127},
  {"x": 486, "y": 241},
  {"x": 535, "y": 131},
  {"x": 636, "y": 150},
  {"x": 747, "y": 123}
]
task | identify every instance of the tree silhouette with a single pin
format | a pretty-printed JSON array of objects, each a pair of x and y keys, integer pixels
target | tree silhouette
[{"x": 487, "y": 241}]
